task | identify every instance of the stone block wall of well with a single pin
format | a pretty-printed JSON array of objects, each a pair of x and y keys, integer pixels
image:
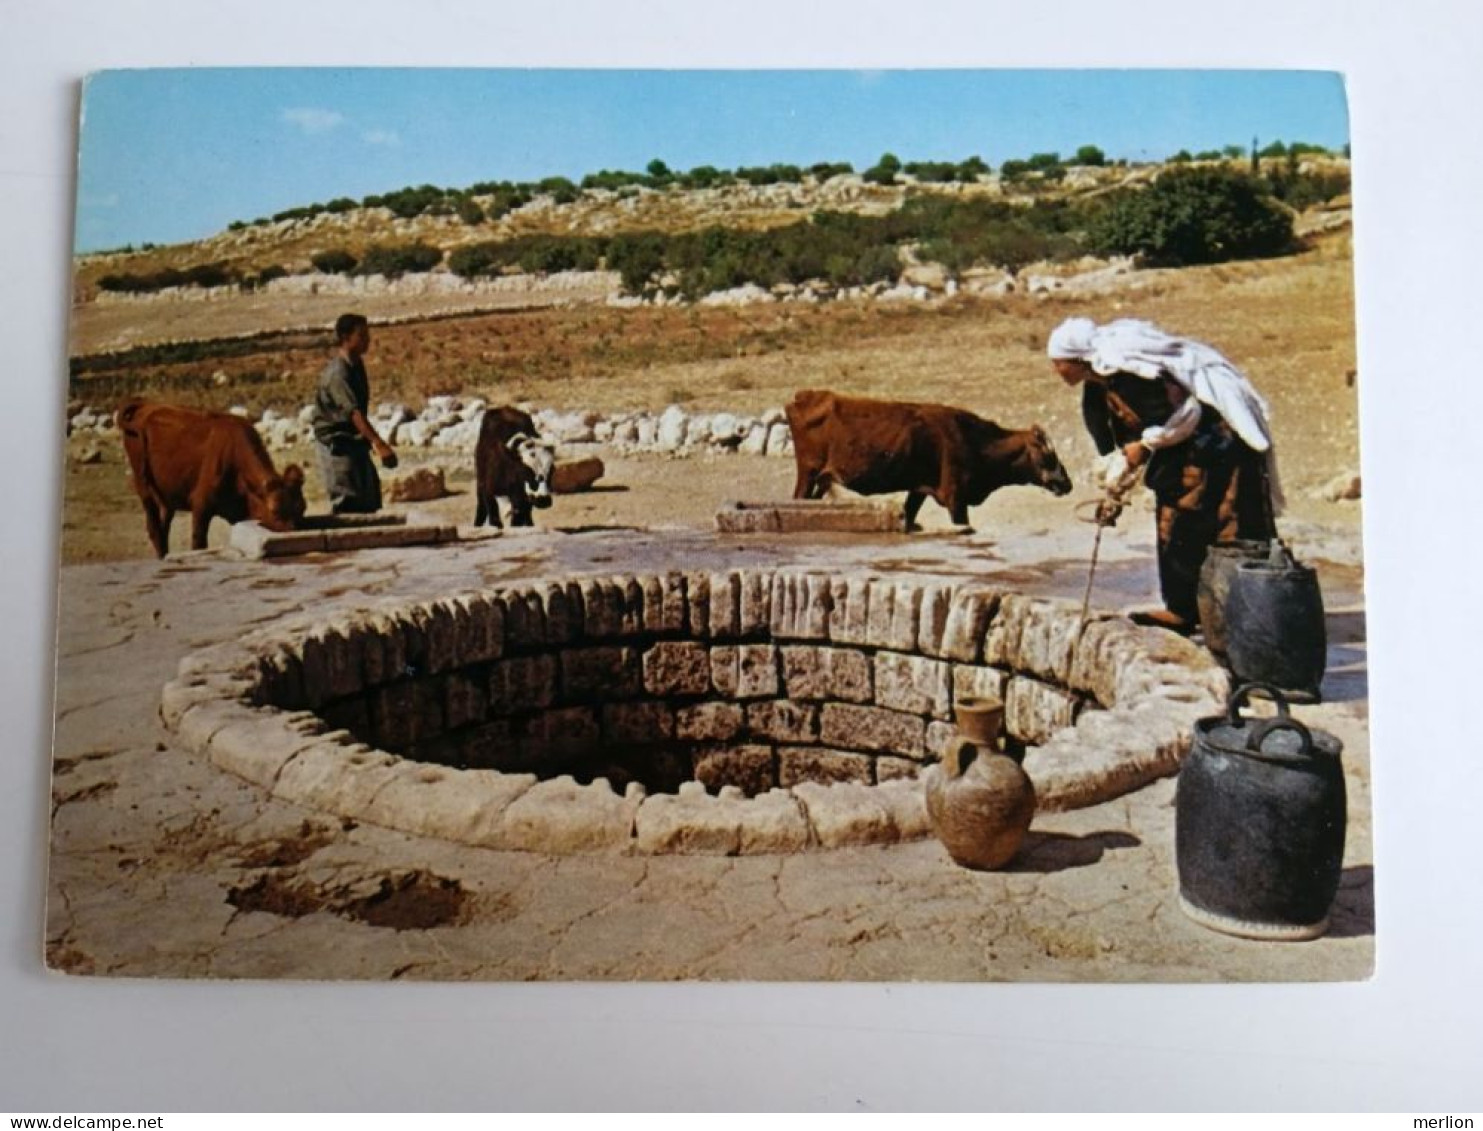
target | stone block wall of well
[{"x": 798, "y": 708}]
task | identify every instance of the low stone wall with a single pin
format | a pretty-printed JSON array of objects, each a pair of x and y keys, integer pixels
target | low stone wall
[{"x": 736, "y": 711}]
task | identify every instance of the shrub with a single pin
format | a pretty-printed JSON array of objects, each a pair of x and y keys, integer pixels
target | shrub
[
  {"x": 970, "y": 169},
  {"x": 262, "y": 278},
  {"x": 637, "y": 257},
  {"x": 537, "y": 254},
  {"x": 336, "y": 261},
  {"x": 1090, "y": 155},
  {"x": 409, "y": 202},
  {"x": 303, "y": 213},
  {"x": 340, "y": 204},
  {"x": 877, "y": 265},
  {"x": 395, "y": 260},
  {"x": 201, "y": 275},
  {"x": 477, "y": 259},
  {"x": 469, "y": 210},
  {"x": 771, "y": 175},
  {"x": 613, "y": 179},
  {"x": 824, "y": 170},
  {"x": 504, "y": 201},
  {"x": 879, "y": 175},
  {"x": 933, "y": 172},
  {"x": 1303, "y": 190},
  {"x": 704, "y": 176},
  {"x": 1194, "y": 215}
]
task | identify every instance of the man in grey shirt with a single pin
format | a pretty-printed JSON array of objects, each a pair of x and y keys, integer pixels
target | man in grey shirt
[{"x": 343, "y": 435}]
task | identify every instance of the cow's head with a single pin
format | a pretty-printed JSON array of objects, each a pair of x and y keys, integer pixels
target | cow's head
[
  {"x": 537, "y": 458},
  {"x": 1043, "y": 465},
  {"x": 280, "y": 505}
]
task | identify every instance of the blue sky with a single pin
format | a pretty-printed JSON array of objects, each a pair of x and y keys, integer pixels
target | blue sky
[{"x": 170, "y": 155}]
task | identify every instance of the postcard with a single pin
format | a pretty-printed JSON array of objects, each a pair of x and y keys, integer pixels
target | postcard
[{"x": 685, "y": 525}]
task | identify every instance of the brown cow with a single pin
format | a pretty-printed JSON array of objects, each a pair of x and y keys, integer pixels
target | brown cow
[
  {"x": 878, "y": 447},
  {"x": 510, "y": 462},
  {"x": 209, "y": 463}
]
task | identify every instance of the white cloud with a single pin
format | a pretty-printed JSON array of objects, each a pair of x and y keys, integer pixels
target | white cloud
[
  {"x": 312, "y": 120},
  {"x": 381, "y": 137}
]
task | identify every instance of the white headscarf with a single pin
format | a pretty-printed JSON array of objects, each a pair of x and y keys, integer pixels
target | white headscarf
[{"x": 1072, "y": 339}]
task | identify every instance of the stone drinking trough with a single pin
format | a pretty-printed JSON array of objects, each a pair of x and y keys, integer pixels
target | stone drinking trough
[
  {"x": 331, "y": 534},
  {"x": 724, "y": 712}
]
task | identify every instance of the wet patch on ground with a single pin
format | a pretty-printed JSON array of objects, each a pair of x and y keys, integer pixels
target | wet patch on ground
[
  {"x": 401, "y": 901},
  {"x": 284, "y": 852}
]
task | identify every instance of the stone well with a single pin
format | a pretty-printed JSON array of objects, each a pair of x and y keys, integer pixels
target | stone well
[{"x": 726, "y": 712}]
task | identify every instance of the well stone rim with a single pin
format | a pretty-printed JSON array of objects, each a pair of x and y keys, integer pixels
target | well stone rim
[{"x": 228, "y": 704}]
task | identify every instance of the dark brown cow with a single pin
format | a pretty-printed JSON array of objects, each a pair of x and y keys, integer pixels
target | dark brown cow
[
  {"x": 511, "y": 462},
  {"x": 879, "y": 447},
  {"x": 212, "y": 464}
]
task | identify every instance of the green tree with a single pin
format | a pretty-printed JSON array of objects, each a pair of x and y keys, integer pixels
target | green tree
[
  {"x": 1198, "y": 214},
  {"x": 1090, "y": 155},
  {"x": 336, "y": 261}
]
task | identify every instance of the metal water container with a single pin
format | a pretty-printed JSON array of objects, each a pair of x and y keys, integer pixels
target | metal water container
[
  {"x": 1214, "y": 587},
  {"x": 1274, "y": 625},
  {"x": 1259, "y": 823}
]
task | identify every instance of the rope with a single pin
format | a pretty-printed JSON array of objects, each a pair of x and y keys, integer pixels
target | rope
[
  {"x": 1086, "y": 600},
  {"x": 1115, "y": 497}
]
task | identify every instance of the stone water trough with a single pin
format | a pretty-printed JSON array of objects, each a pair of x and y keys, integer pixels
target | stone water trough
[
  {"x": 813, "y": 516},
  {"x": 337, "y": 533},
  {"x": 747, "y": 711}
]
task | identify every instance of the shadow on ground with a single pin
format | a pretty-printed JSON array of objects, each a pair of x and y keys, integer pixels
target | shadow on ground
[
  {"x": 1056, "y": 852},
  {"x": 1353, "y": 913}
]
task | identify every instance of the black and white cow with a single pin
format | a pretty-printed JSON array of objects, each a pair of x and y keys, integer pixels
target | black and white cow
[{"x": 511, "y": 462}]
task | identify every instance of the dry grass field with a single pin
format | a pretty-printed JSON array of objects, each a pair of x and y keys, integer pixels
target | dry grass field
[{"x": 1288, "y": 322}]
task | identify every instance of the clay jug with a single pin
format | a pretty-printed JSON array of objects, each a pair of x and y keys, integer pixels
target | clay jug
[
  {"x": 980, "y": 801},
  {"x": 980, "y": 720}
]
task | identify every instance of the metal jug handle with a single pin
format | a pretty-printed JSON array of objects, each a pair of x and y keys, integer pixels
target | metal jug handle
[{"x": 1243, "y": 693}]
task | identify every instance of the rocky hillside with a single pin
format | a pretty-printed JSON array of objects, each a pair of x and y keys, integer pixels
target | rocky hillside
[{"x": 287, "y": 245}]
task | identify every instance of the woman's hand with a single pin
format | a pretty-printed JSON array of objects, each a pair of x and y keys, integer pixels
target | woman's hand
[{"x": 1135, "y": 453}]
